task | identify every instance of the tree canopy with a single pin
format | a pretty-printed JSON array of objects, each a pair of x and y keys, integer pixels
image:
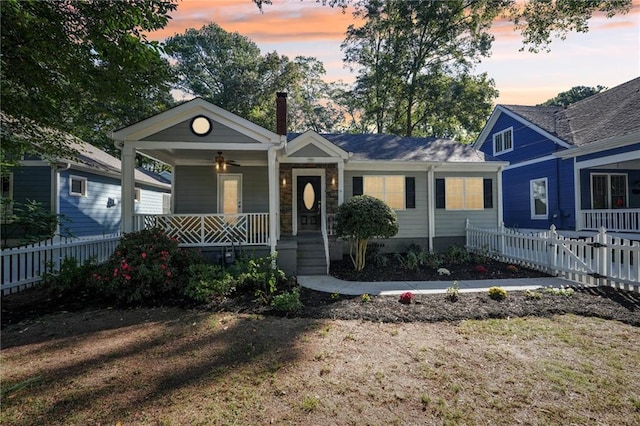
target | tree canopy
[
  {"x": 78, "y": 66},
  {"x": 229, "y": 70},
  {"x": 575, "y": 94}
]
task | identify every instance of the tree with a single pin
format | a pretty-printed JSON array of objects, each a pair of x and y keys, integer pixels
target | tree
[
  {"x": 407, "y": 52},
  {"x": 228, "y": 70},
  {"x": 361, "y": 218},
  {"x": 76, "y": 66},
  {"x": 575, "y": 94}
]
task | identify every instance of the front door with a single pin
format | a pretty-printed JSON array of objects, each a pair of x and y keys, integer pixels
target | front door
[
  {"x": 229, "y": 194},
  {"x": 309, "y": 203}
]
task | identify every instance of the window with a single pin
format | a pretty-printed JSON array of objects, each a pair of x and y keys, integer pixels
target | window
[
  {"x": 389, "y": 189},
  {"x": 77, "y": 186},
  {"x": 464, "y": 193},
  {"x": 6, "y": 207},
  {"x": 503, "y": 141},
  {"x": 138, "y": 195},
  {"x": 609, "y": 191},
  {"x": 539, "y": 201}
]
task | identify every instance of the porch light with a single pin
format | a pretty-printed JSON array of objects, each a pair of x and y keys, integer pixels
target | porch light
[
  {"x": 284, "y": 181},
  {"x": 333, "y": 181},
  {"x": 220, "y": 163}
]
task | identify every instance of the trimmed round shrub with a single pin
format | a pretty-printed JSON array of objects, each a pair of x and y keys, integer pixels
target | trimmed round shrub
[{"x": 497, "y": 293}]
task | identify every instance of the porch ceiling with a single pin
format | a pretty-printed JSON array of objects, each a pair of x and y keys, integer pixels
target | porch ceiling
[
  {"x": 200, "y": 157},
  {"x": 630, "y": 164}
]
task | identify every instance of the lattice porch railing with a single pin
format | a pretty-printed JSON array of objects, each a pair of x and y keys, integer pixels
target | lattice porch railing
[{"x": 200, "y": 230}]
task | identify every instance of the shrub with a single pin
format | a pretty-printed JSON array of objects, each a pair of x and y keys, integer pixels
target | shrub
[
  {"x": 361, "y": 218},
  {"x": 72, "y": 280},
  {"x": 497, "y": 293},
  {"x": 480, "y": 269},
  {"x": 453, "y": 292},
  {"x": 456, "y": 255},
  {"x": 410, "y": 261},
  {"x": 147, "y": 267},
  {"x": 208, "y": 282},
  {"x": 559, "y": 291},
  {"x": 288, "y": 302},
  {"x": 512, "y": 268},
  {"x": 444, "y": 271},
  {"x": 259, "y": 275},
  {"x": 406, "y": 297}
]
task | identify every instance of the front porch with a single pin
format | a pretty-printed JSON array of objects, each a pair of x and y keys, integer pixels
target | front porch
[{"x": 614, "y": 220}]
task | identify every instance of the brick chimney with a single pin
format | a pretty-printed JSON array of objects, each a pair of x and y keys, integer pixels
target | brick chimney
[{"x": 281, "y": 113}]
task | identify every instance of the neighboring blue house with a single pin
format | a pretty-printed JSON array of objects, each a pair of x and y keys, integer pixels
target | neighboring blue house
[
  {"x": 85, "y": 190},
  {"x": 576, "y": 167}
]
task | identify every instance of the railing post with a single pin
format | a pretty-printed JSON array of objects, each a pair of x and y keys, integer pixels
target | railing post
[
  {"x": 603, "y": 258},
  {"x": 552, "y": 250},
  {"x": 502, "y": 239}
]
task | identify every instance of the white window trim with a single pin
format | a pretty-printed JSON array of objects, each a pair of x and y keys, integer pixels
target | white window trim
[
  {"x": 608, "y": 175},
  {"x": 84, "y": 186},
  {"x": 384, "y": 189},
  {"x": 532, "y": 200},
  {"x": 502, "y": 132},
  {"x": 137, "y": 194}
]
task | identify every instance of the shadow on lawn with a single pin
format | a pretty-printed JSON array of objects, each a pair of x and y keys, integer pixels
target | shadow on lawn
[{"x": 113, "y": 372}]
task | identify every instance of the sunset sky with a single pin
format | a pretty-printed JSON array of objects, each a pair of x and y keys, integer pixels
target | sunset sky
[{"x": 608, "y": 55}]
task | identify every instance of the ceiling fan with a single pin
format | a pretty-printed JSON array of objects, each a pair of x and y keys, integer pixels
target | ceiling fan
[{"x": 221, "y": 163}]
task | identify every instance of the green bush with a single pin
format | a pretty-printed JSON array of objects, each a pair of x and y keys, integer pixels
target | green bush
[
  {"x": 147, "y": 267},
  {"x": 208, "y": 282},
  {"x": 497, "y": 293},
  {"x": 259, "y": 275},
  {"x": 456, "y": 255},
  {"x": 288, "y": 302},
  {"x": 72, "y": 280},
  {"x": 361, "y": 218}
]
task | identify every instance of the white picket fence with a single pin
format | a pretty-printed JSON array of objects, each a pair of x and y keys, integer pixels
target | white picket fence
[
  {"x": 597, "y": 260},
  {"x": 23, "y": 266}
]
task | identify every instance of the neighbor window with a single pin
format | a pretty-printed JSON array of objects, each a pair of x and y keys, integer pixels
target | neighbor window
[
  {"x": 78, "y": 186},
  {"x": 503, "y": 141},
  {"x": 6, "y": 207},
  {"x": 389, "y": 189},
  {"x": 539, "y": 199},
  {"x": 609, "y": 191}
]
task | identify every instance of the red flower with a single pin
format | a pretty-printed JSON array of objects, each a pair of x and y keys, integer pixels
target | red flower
[
  {"x": 168, "y": 273},
  {"x": 406, "y": 297},
  {"x": 115, "y": 272},
  {"x": 144, "y": 255},
  {"x": 481, "y": 269}
]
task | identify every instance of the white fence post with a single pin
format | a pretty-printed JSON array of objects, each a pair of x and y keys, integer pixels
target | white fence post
[
  {"x": 552, "y": 250},
  {"x": 602, "y": 255}
]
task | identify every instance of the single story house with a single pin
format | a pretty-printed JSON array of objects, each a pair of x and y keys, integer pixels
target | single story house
[
  {"x": 85, "y": 190},
  {"x": 574, "y": 167},
  {"x": 237, "y": 184}
]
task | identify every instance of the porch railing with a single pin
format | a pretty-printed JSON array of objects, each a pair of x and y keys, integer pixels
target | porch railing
[
  {"x": 616, "y": 220},
  {"x": 202, "y": 230}
]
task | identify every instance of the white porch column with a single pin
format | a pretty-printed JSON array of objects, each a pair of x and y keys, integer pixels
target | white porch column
[
  {"x": 499, "y": 185},
  {"x": 340, "y": 181},
  {"x": 431, "y": 206},
  {"x": 577, "y": 208},
  {"x": 273, "y": 199},
  {"x": 127, "y": 185}
]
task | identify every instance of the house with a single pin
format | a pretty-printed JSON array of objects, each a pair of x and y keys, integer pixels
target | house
[
  {"x": 85, "y": 190},
  {"x": 575, "y": 167},
  {"x": 237, "y": 184}
]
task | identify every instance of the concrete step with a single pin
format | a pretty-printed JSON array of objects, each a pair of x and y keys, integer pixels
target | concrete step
[{"x": 312, "y": 270}]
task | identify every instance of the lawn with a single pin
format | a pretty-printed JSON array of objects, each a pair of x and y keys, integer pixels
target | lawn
[{"x": 183, "y": 367}]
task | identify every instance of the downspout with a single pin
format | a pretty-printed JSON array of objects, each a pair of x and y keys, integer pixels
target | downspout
[{"x": 55, "y": 190}]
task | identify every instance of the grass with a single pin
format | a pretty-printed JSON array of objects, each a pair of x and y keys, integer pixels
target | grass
[{"x": 173, "y": 367}]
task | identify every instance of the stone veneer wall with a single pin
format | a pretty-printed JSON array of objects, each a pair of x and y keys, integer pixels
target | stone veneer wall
[{"x": 286, "y": 197}]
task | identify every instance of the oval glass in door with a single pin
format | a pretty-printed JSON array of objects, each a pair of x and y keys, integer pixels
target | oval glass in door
[{"x": 308, "y": 196}]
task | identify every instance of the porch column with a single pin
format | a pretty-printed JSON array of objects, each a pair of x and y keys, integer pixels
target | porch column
[
  {"x": 577, "y": 209},
  {"x": 340, "y": 182},
  {"x": 273, "y": 199},
  {"x": 499, "y": 185},
  {"x": 127, "y": 186}
]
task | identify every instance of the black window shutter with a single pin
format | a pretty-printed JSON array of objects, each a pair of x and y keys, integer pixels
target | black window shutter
[
  {"x": 410, "y": 192},
  {"x": 488, "y": 193},
  {"x": 440, "y": 194},
  {"x": 357, "y": 186}
]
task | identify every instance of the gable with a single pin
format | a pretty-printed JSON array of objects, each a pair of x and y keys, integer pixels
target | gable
[
  {"x": 313, "y": 145},
  {"x": 181, "y": 132},
  {"x": 311, "y": 150}
]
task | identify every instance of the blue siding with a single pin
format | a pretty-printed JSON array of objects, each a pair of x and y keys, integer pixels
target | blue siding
[
  {"x": 620, "y": 150},
  {"x": 90, "y": 215},
  {"x": 516, "y": 195},
  {"x": 527, "y": 143}
]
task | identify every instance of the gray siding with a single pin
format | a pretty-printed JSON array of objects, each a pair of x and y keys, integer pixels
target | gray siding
[
  {"x": 451, "y": 223},
  {"x": 196, "y": 189},
  {"x": 182, "y": 133},
  {"x": 309, "y": 151},
  {"x": 150, "y": 201},
  {"x": 412, "y": 222}
]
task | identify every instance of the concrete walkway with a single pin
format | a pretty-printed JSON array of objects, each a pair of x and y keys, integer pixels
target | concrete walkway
[{"x": 329, "y": 284}]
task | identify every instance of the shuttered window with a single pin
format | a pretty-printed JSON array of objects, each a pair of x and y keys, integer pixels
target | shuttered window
[
  {"x": 398, "y": 192},
  {"x": 464, "y": 193}
]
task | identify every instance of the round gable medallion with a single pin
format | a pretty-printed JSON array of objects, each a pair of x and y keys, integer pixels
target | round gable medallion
[{"x": 201, "y": 125}]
